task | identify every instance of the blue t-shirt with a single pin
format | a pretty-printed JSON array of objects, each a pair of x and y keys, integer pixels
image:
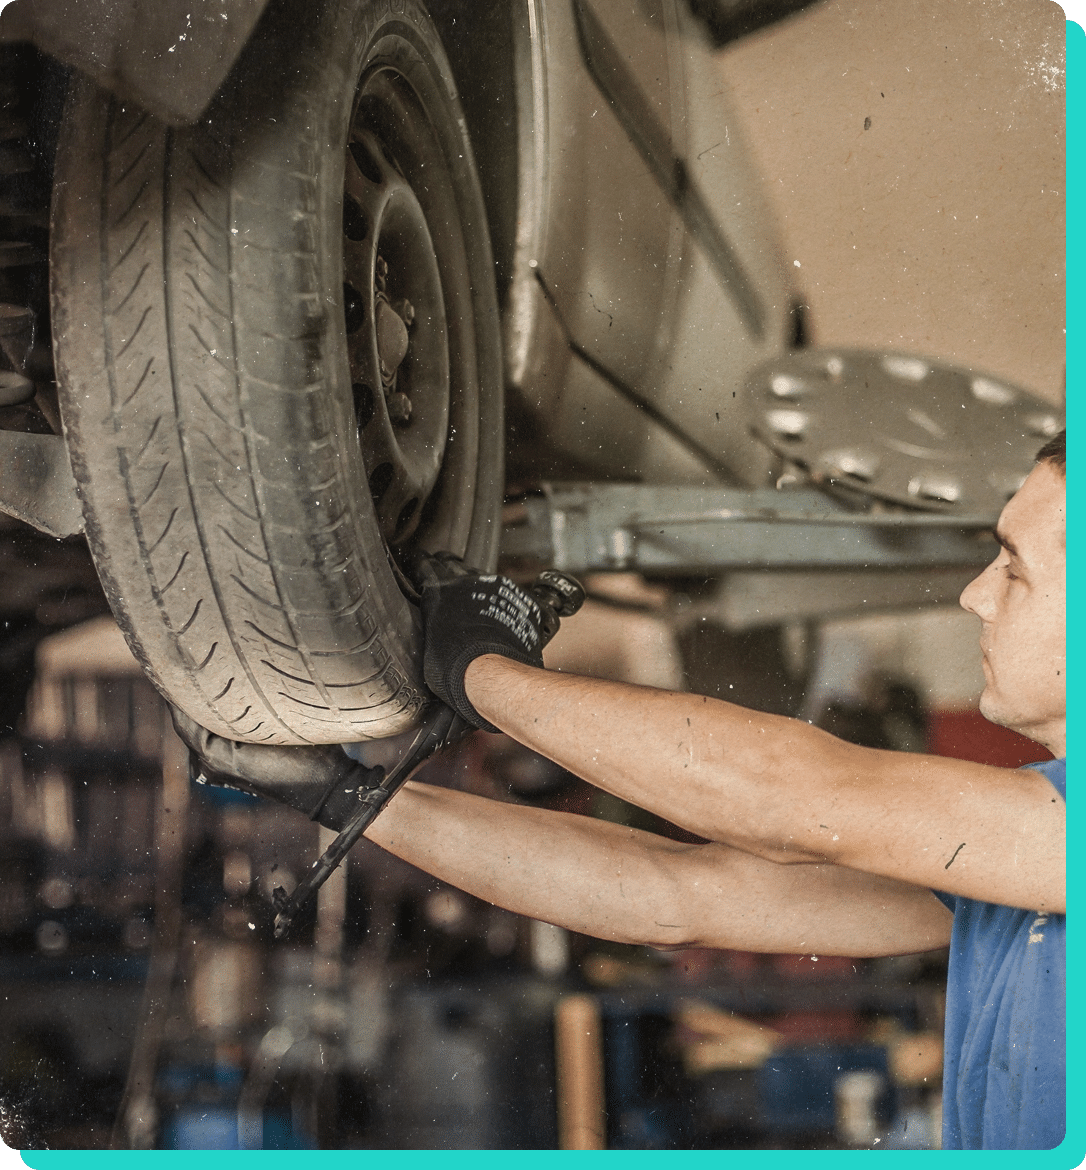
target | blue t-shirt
[{"x": 1005, "y": 1044}]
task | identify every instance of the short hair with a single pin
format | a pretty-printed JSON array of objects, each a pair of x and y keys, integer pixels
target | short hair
[{"x": 1055, "y": 451}]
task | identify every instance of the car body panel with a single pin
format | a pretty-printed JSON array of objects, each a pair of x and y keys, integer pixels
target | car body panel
[
  {"x": 628, "y": 282},
  {"x": 169, "y": 56},
  {"x": 594, "y": 233}
]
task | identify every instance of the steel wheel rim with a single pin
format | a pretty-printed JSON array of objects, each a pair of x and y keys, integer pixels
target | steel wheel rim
[{"x": 407, "y": 395}]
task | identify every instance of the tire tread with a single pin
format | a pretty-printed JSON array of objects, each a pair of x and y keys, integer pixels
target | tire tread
[{"x": 219, "y": 506}]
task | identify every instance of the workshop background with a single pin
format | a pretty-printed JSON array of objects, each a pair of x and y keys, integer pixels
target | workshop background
[{"x": 914, "y": 154}]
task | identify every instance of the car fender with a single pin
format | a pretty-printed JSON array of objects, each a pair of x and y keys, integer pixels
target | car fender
[
  {"x": 605, "y": 284},
  {"x": 169, "y": 56}
]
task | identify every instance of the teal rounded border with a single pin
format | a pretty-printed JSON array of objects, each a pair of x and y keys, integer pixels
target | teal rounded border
[
  {"x": 1070, "y": 1153},
  {"x": 1073, "y": 9}
]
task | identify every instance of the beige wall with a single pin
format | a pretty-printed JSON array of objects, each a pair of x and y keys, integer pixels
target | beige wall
[{"x": 939, "y": 229}]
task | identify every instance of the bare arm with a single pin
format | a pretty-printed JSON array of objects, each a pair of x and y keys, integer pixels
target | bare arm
[
  {"x": 621, "y": 884},
  {"x": 785, "y": 791}
]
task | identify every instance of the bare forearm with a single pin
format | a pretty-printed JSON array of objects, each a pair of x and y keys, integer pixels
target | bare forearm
[
  {"x": 705, "y": 765},
  {"x": 589, "y": 876},
  {"x": 784, "y": 791},
  {"x": 620, "y": 884}
]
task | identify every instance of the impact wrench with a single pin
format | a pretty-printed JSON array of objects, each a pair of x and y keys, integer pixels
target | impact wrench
[{"x": 325, "y": 783}]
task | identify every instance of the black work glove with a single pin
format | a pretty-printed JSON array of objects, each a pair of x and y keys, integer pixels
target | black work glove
[
  {"x": 320, "y": 780},
  {"x": 465, "y": 616}
]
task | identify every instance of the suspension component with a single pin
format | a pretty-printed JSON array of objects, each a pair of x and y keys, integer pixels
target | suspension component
[{"x": 36, "y": 483}]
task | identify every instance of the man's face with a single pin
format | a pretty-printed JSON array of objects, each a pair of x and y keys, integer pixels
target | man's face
[{"x": 1021, "y": 599}]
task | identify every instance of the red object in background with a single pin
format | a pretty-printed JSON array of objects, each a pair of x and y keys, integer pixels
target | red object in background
[
  {"x": 819, "y": 1027},
  {"x": 967, "y": 735}
]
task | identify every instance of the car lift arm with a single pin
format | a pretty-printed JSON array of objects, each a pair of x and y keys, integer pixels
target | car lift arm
[{"x": 678, "y": 530}]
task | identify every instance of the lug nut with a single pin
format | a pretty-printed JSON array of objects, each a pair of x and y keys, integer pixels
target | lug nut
[
  {"x": 399, "y": 409},
  {"x": 14, "y": 388}
]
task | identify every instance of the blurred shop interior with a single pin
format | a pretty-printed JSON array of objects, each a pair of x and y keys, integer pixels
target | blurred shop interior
[
  {"x": 138, "y": 956},
  {"x": 137, "y": 961}
]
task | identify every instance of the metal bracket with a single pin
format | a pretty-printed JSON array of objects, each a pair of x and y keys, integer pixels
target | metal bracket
[
  {"x": 441, "y": 727},
  {"x": 36, "y": 483},
  {"x": 678, "y": 530}
]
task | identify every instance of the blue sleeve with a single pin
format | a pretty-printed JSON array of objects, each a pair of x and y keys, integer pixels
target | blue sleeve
[{"x": 1055, "y": 772}]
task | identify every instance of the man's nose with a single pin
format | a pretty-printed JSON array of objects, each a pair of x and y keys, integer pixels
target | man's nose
[{"x": 976, "y": 596}]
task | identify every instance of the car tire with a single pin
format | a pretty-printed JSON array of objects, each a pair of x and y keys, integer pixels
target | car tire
[{"x": 278, "y": 354}]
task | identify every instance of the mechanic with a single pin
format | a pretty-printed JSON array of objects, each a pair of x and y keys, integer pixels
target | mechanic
[{"x": 815, "y": 845}]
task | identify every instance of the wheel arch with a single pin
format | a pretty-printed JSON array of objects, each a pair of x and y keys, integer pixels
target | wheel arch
[{"x": 472, "y": 33}]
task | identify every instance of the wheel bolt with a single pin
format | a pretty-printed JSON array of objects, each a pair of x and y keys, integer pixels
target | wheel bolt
[
  {"x": 399, "y": 409},
  {"x": 14, "y": 388}
]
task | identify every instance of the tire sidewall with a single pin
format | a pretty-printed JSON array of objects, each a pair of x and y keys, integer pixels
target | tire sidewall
[
  {"x": 286, "y": 110},
  {"x": 344, "y": 39}
]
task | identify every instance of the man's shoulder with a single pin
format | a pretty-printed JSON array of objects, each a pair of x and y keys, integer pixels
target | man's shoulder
[{"x": 1055, "y": 771}]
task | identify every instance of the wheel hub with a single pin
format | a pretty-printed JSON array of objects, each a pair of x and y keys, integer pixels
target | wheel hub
[{"x": 392, "y": 340}]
